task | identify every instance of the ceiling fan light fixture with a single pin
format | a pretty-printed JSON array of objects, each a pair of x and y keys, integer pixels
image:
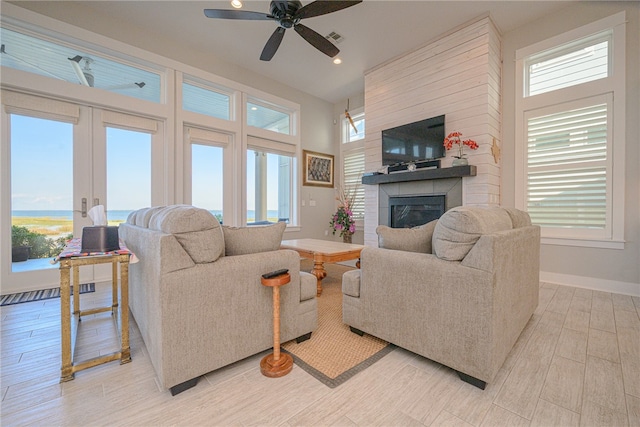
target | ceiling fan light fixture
[
  {"x": 236, "y": 4},
  {"x": 337, "y": 61}
]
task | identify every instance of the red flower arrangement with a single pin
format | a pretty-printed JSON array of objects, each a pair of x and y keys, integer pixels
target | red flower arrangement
[{"x": 454, "y": 138}]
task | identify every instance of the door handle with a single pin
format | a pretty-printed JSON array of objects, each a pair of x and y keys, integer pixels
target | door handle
[
  {"x": 96, "y": 201},
  {"x": 84, "y": 207}
]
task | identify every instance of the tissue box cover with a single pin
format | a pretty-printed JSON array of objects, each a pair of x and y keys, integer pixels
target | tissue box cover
[{"x": 100, "y": 238}]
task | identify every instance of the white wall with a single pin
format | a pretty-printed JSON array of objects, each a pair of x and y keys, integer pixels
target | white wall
[
  {"x": 605, "y": 269},
  {"x": 458, "y": 75}
]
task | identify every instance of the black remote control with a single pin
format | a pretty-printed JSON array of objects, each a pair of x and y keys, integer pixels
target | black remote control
[{"x": 275, "y": 273}]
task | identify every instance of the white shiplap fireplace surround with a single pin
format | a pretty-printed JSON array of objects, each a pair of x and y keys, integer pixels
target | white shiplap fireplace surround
[{"x": 458, "y": 75}]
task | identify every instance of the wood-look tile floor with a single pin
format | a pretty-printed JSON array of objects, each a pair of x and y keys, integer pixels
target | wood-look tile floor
[{"x": 576, "y": 363}]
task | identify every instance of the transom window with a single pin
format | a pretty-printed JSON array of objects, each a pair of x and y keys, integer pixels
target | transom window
[
  {"x": 268, "y": 118},
  {"x": 78, "y": 65},
  {"x": 353, "y": 132},
  {"x": 568, "y": 65},
  {"x": 198, "y": 98}
]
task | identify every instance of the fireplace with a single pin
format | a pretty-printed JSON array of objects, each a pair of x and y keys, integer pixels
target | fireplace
[
  {"x": 411, "y": 211},
  {"x": 449, "y": 190}
]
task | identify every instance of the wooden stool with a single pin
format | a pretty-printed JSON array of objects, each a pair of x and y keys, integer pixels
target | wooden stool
[{"x": 276, "y": 365}]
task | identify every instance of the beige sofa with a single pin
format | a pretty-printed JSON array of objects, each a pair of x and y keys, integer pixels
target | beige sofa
[
  {"x": 458, "y": 290},
  {"x": 196, "y": 293}
]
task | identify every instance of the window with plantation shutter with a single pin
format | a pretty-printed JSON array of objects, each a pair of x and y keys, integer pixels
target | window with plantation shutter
[
  {"x": 567, "y": 168},
  {"x": 570, "y": 135},
  {"x": 353, "y": 170},
  {"x": 353, "y": 160}
]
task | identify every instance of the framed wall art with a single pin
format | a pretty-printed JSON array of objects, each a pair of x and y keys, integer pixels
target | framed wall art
[{"x": 317, "y": 169}]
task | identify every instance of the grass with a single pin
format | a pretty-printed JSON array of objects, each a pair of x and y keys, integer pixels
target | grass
[
  {"x": 49, "y": 226},
  {"x": 52, "y": 227},
  {"x": 44, "y": 225}
]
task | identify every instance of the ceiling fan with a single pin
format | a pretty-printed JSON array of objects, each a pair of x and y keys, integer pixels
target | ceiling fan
[{"x": 288, "y": 15}]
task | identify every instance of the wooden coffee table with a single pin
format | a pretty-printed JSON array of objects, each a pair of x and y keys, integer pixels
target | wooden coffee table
[{"x": 321, "y": 251}]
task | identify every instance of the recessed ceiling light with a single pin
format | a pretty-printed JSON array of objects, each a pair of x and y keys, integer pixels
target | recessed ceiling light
[
  {"x": 236, "y": 4},
  {"x": 337, "y": 61}
]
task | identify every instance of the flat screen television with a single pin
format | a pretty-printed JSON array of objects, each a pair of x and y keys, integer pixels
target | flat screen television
[{"x": 414, "y": 142}]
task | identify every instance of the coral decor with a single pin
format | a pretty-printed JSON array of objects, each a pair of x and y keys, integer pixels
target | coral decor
[{"x": 455, "y": 138}]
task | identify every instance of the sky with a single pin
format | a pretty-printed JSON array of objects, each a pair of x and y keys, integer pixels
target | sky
[{"x": 41, "y": 164}]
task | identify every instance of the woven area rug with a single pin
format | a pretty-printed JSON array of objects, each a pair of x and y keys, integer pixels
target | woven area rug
[
  {"x": 42, "y": 294},
  {"x": 334, "y": 353}
]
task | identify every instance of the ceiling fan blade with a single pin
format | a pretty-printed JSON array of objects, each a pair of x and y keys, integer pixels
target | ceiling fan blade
[
  {"x": 282, "y": 5},
  {"x": 272, "y": 44},
  {"x": 133, "y": 85},
  {"x": 320, "y": 7},
  {"x": 316, "y": 40},
  {"x": 236, "y": 14}
]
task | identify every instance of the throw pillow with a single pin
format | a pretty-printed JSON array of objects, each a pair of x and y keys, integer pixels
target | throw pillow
[
  {"x": 250, "y": 240},
  {"x": 196, "y": 229},
  {"x": 518, "y": 218},
  {"x": 416, "y": 239},
  {"x": 460, "y": 228}
]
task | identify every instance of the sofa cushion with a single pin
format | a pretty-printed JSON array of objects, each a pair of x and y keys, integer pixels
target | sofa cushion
[
  {"x": 351, "y": 283},
  {"x": 196, "y": 229},
  {"x": 131, "y": 218},
  {"x": 518, "y": 218},
  {"x": 460, "y": 228},
  {"x": 141, "y": 217},
  {"x": 308, "y": 286},
  {"x": 182, "y": 219},
  {"x": 416, "y": 239},
  {"x": 250, "y": 240}
]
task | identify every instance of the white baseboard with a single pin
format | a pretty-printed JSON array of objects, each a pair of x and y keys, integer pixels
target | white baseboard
[{"x": 604, "y": 285}]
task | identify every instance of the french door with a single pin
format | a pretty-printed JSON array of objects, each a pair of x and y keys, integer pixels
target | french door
[{"x": 62, "y": 159}]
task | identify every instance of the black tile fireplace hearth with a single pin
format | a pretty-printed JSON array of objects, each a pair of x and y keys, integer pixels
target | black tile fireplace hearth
[{"x": 411, "y": 211}]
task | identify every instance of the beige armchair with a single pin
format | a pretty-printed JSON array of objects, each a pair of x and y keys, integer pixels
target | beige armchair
[
  {"x": 458, "y": 290},
  {"x": 196, "y": 293}
]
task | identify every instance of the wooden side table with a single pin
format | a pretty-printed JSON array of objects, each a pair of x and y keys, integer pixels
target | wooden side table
[
  {"x": 276, "y": 364},
  {"x": 70, "y": 260}
]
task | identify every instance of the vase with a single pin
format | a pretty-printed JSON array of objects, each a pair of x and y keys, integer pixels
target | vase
[
  {"x": 346, "y": 237},
  {"x": 460, "y": 162}
]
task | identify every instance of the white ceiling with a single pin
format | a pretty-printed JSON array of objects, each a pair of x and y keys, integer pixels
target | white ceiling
[{"x": 374, "y": 31}]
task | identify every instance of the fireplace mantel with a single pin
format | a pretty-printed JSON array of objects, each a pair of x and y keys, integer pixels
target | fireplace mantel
[{"x": 421, "y": 175}]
